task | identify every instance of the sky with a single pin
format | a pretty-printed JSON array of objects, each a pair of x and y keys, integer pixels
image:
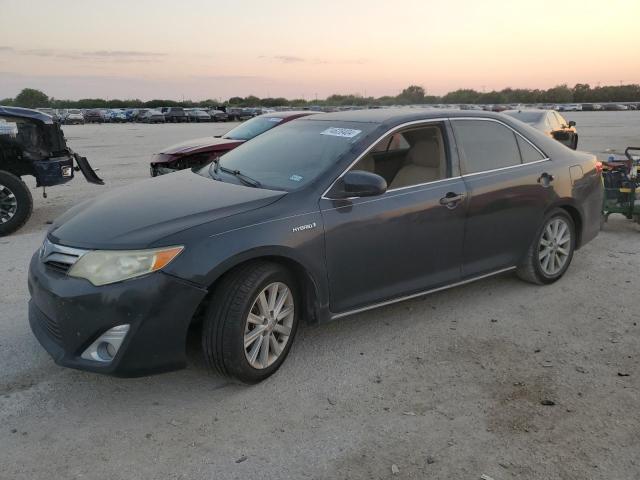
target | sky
[{"x": 200, "y": 49}]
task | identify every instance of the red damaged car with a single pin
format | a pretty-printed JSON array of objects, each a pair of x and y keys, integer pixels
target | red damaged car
[{"x": 200, "y": 151}]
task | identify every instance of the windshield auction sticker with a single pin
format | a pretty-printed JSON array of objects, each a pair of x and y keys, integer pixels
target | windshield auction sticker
[{"x": 341, "y": 132}]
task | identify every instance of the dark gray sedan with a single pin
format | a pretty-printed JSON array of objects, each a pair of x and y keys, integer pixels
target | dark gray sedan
[
  {"x": 549, "y": 122},
  {"x": 320, "y": 218}
]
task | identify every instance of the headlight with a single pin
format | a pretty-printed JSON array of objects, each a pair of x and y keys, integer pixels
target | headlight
[{"x": 101, "y": 267}]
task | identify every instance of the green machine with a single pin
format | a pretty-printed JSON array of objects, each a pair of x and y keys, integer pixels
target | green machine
[{"x": 621, "y": 179}]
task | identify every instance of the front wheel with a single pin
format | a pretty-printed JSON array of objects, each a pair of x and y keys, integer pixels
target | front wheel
[
  {"x": 550, "y": 254},
  {"x": 251, "y": 322},
  {"x": 16, "y": 203}
]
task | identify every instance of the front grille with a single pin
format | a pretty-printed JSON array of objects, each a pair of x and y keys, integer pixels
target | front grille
[
  {"x": 58, "y": 266},
  {"x": 58, "y": 257},
  {"x": 52, "y": 327}
]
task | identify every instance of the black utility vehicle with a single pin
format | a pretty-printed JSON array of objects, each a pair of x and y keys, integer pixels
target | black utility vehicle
[
  {"x": 174, "y": 114},
  {"x": 323, "y": 217},
  {"x": 31, "y": 143},
  {"x": 94, "y": 116}
]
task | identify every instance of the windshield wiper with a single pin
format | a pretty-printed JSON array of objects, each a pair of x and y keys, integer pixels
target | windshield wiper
[
  {"x": 216, "y": 164},
  {"x": 252, "y": 182}
]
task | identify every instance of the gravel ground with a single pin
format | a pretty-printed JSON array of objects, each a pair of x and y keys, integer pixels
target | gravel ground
[{"x": 448, "y": 386}]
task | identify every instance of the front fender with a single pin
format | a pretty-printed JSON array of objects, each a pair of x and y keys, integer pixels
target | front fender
[{"x": 297, "y": 240}]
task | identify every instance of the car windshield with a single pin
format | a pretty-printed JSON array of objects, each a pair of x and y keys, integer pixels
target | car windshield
[
  {"x": 527, "y": 117},
  {"x": 252, "y": 128},
  {"x": 291, "y": 156}
]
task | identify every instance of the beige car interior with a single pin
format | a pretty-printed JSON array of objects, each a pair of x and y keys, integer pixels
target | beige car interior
[{"x": 407, "y": 158}]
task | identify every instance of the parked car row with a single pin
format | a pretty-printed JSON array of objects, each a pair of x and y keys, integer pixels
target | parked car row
[
  {"x": 561, "y": 107},
  {"x": 224, "y": 114},
  {"x": 151, "y": 115}
]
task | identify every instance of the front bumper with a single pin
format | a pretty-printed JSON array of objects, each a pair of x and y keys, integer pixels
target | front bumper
[
  {"x": 59, "y": 170},
  {"x": 67, "y": 314},
  {"x": 53, "y": 171}
]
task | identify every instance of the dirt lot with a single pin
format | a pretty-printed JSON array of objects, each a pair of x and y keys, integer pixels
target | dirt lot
[{"x": 444, "y": 387}]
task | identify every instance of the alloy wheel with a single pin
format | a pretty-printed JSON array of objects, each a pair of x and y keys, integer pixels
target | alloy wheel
[
  {"x": 268, "y": 325},
  {"x": 8, "y": 204},
  {"x": 555, "y": 246}
]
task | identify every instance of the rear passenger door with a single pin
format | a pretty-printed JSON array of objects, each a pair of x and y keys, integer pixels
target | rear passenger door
[{"x": 508, "y": 193}]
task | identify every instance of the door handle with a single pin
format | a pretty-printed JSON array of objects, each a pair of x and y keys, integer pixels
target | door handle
[
  {"x": 451, "y": 200},
  {"x": 545, "y": 179}
]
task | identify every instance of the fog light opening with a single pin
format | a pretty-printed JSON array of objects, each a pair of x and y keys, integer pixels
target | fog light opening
[
  {"x": 106, "y": 347},
  {"x": 106, "y": 351}
]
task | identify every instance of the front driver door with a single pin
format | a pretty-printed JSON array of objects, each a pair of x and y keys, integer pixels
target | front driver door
[{"x": 404, "y": 241}]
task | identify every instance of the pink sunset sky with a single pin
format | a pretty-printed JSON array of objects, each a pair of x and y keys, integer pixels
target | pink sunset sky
[{"x": 201, "y": 49}]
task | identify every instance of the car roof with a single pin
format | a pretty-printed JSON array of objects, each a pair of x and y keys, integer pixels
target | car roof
[
  {"x": 26, "y": 113},
  {"x": 396, "y": 116},
  {"x": 528, "y": 110},
  {"x": 289, "y": 114}
]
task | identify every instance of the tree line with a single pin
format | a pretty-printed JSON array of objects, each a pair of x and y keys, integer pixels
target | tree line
[{"x": 412, "y": 95}]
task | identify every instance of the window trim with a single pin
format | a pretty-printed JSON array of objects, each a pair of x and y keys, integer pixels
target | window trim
[{"x": 438, "y": 120}]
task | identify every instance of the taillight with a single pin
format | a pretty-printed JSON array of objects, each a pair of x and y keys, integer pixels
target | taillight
[{"x": 599, "y": 166}]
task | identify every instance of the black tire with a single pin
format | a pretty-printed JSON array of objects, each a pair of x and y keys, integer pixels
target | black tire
[
  {"x": 531, "y": 269},
  {"x": 225, "y": 320},
  {"x": 12, "y": 187}
]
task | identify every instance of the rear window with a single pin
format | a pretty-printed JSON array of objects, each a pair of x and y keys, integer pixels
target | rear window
[
  {"x": 486, "y": 145},
  {"x": 252, "y": 128},
  {"x": 527, "y": 117}
]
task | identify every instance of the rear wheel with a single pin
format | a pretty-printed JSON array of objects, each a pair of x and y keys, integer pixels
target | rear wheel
[
  {"x": 550, "y": 254},
  {"x": 16, "y": 203},
  {"x": 251, "y": 322}
]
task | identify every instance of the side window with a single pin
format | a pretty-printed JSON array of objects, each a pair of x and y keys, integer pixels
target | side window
[
  {"x": 528, "y": 153},
  {"x": 486, "y": 145},
  {"x": 409, "y": 157}
]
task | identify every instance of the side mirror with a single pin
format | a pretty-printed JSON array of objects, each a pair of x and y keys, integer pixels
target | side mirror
[
  {"x": 358, "y": 183},
  {"x": 572, "y": 123}
]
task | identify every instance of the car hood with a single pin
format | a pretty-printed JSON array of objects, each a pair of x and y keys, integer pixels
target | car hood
[
  {"x": 202, "y": 145},
  {"x": 137, "y": 215}
]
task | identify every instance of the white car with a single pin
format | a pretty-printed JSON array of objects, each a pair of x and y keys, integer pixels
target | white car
[
  {"x": 74, "y": 117},
  {"x": 570, "y": 107},
  {"x": 151, "y": 116},
  {"x": 197, "y": 115}
]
